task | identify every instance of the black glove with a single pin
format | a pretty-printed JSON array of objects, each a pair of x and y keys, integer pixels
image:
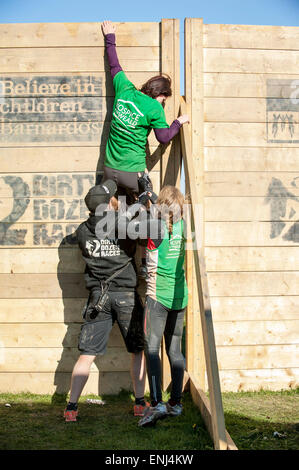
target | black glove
[
  {"x": 143, "y": 198},
  {"x": 145, "y": 184}
]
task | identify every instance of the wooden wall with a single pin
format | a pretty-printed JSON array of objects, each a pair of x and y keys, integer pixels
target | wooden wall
[
  {"x": 242, "y": 89},
  {"x": 56, "y": 96},
  {"x": 247, "y": 89}
]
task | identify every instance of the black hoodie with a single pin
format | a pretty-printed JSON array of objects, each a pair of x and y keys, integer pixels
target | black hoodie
[{"x": 105, "y": 256}]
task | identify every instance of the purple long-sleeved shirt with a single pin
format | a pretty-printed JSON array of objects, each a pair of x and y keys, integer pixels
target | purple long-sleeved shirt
[{"x": 162, "y": 135}]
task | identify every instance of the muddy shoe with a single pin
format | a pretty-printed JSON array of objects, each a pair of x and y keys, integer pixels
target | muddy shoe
[
  {"x": 153, "y": 414},
  {"x": 175, "y": 410}
]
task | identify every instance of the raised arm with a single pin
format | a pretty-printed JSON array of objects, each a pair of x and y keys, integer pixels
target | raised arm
[{"x": 109, "y": 34}]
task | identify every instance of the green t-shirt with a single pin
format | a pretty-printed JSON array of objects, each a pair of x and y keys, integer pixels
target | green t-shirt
[
  {"x": 134, "y": 115},
  {"x": 166, "y": 280}
]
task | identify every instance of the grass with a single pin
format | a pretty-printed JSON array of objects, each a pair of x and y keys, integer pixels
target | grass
[
  {"x": 34, "y": 422},
  {"x": 252, "y": 418}
]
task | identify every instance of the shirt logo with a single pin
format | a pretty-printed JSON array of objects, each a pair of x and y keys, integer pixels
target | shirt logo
[
  {"x": 102, "y": 248},
  {"x": 126, "y": 115}
]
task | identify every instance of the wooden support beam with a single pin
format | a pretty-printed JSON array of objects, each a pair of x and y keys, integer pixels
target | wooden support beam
[
  {"x": 170, "y": 160},
  {"x": 218, "y": 426},
  {"x": 202, "y": 402},
  {"x": 194, "y": 108},
  {"x": 189, "y": 337},
  {"x": 170, "y": 65}
]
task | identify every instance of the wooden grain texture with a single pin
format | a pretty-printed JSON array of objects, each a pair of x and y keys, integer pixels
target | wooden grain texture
[
  {"x": 259, "y": 379},
  {"x": 250, "y": 36},
  {"x": 45, "y": 383},
  {"x": 253, "y": 283},
  {"x": 255, "y": 308},
  {"x": 170, "y": 65},
  {"x": 194, "y": 95},
  {"x": 194, "y": 337},
  {"x": 41, "y": 261},
  {"x": 30, "y": 35},
  {"x": 228, "y": 309},
  {"x": 193, "y": 106},
  {"x": 249, "y": 85},
  {"x": 268, "y": 208},
  {"x": 76, "y": 59},
  {"x": 240, "y": 134},
  {"x": 251, "y": 61},
  {"x": 246, "y": 158},
  {"x": 258, "y": 357},
  {"x": 48, "y": 335},
  {"x": 240, "y": 109},
  {"x": 44, "y": 159},
  {"x": 252, "y": 258},
  {"x": 47, "y": 310},
  {"x": 170, "y": 160},
  {"x": 250, "y": 234},
  {"x": 249, "y": 183},
  {"x": 256, "y": 332},
  {"x": 189, "y": 342},
  {"x": 39, "y": 286},
  {"x": 49, "y": 359}
]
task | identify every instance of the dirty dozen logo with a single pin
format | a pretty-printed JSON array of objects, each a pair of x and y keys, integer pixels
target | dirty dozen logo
[{"x": 51, "y": 205}]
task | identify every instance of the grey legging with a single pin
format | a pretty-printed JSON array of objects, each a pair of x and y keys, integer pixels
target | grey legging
[{"x": 159, "y": 319}]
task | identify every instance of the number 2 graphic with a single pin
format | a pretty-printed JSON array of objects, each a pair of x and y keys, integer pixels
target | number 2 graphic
[{"x": 21, "y": 195}]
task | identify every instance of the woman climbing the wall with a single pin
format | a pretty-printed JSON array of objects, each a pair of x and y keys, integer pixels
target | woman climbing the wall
[{"x": 135, "y": 113}]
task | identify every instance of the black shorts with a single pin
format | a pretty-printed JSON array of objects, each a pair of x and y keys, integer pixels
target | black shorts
[
  {"x": 123, "y": 307},
  {"x": 123, "y": 179}
]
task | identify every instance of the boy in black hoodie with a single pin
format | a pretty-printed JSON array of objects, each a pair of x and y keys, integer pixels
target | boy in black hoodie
[{"x": 107, "y": 256}]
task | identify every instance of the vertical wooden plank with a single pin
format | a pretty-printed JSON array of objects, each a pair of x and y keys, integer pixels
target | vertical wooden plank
[
  {"x": 218, "y": 426},
  {"x": 177, "y": 96},
  {"x": 189, "y": 255},
  {"x": 192, "y": 144},
  {"x": 202, "y": 402},
  {"x": 170, "y": 161},
  {"x": 194, "y": 108},
  {"x": 189, "y": 343},
  {"x": 170, "y": 65}
]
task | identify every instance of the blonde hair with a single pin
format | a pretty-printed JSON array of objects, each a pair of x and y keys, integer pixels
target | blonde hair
[{"x": 170, "y": 203}]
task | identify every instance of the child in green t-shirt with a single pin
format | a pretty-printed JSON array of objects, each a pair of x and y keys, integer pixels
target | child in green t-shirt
[
  {"x": 166, "y": 300},
  {"x": 135, "y": 113}
]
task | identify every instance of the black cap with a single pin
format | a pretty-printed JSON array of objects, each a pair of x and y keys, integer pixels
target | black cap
[{"x": 100, "y": 194}]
